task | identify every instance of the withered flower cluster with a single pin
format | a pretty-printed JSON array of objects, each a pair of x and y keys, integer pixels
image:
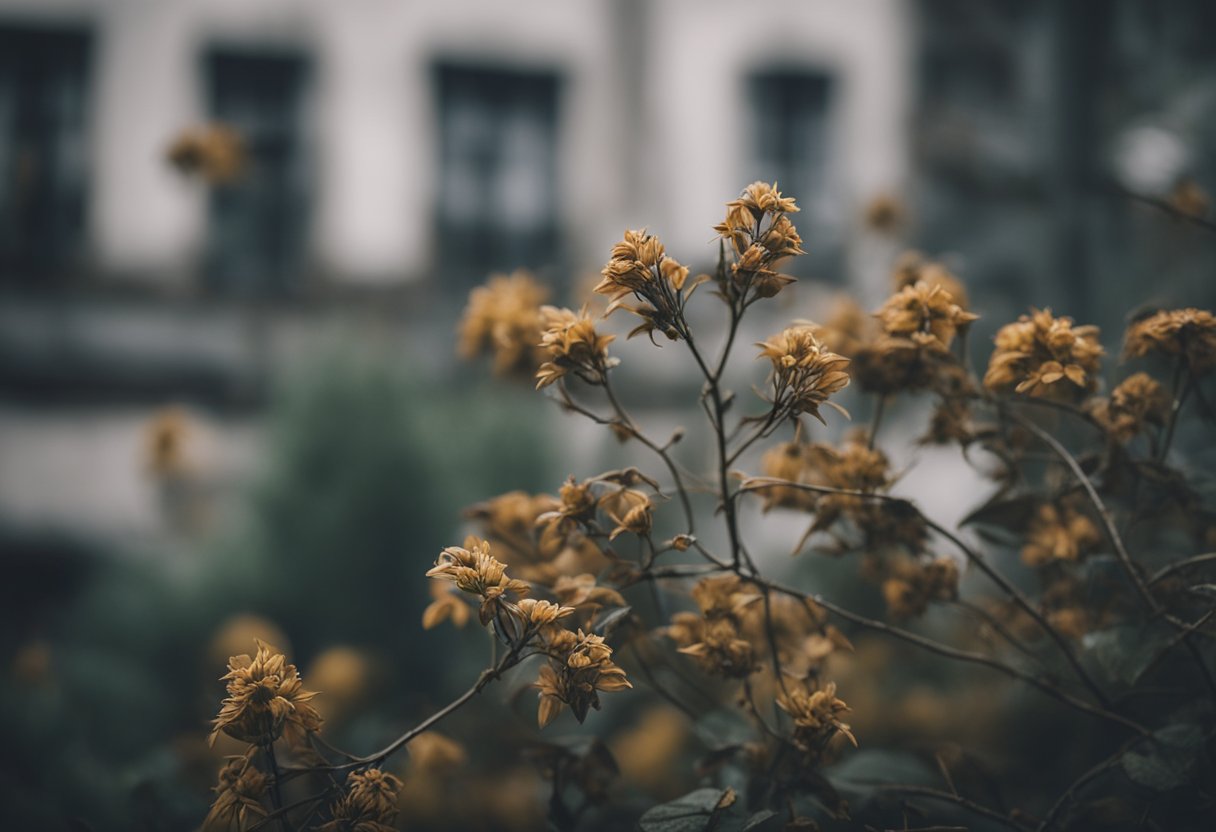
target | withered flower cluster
[
  {"x": 918, "y": 325},
  {"x": 571, "y": 345},
  {"x": 640, "y": 269},
  {"x": 368, "y": 805},
  {"x": 475, "y": 571},
  {"x": 760, "y": 235},
  {"x": 1138, "y": 401},
  {"x": 580, "y": 666},
  {"x": 1038, "y": 352},
  {"x": 912, "y": 585},
  {"x": 1188, "y": 334},
  {"x": 238, "y": 797},
  {"x": 804, "y": 373},
  {"x": 816, "y": 716},
  {"x": 504, "y": 318},
  {"x": 266, "y": 700},
  {"x": 715, "y": 637},
  {"x": 1059, "y": 532}
]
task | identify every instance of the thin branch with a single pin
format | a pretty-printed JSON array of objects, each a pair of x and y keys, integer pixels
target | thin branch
[
  {"x": 1178, "y": 566},
  {"x": 970, "y": 805}
]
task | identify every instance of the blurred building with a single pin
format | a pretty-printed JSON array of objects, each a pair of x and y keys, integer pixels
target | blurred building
[
  {"x": 400, "y": 150},
  {"x": 397, "y": 152}
]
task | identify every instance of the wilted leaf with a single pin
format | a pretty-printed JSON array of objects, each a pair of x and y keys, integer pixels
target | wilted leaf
[
  {"x": 1168, "y": 760},
  {"x": 758, "y": 820},
  {"x": 1125, "y": 652}
]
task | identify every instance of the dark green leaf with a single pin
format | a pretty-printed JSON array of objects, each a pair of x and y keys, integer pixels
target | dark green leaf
[
  {"x": 1166, "y": 761},
  {"x": 690, "y": 813}
]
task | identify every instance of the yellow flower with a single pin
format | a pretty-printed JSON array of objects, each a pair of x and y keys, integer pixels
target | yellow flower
[
  {"x": 816, "y": 716},
  {"x": 580, "y": 666},
  {"x": 581, "y": 590},
  {"x": 537, "y": 614},
  {"x": 1138, "y": 401},
  {"x": 1189, "y": 333},
  {"x": 1058, "y": 532},
  {"x": 369, "y": 804},
  {"x": 640, "y": 268},
  {"x": 630, "y": 510},
  {"x": 913, "y": 585},
  {"x": 215, "y": 153},
  {"x": 238, "y": 798},
  {"x": 475, "y": 571},
  {"x": 503, "y": 317},
  {"x": 804, "y": 373},
  {"x": 571, "y": 344},
  {"x": 446, "y": 605},
  {"x": 912, "y": 267},
  {"x": 925, "y": 313},
  {"x": 266, "y": 699},
  {"x": 1038, "y": 351},
  {"x": 714, "y": 638}
]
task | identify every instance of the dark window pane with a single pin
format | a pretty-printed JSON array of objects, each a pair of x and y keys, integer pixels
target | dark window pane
[
  {"x": 258, "y": 222},
  {"x": 43, "y": 159},
  {"x": 498, "y": 179}
]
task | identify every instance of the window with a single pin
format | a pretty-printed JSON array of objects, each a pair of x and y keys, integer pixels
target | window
[
  {"x": 43, "y": 158},
  {"x": 258, "y": 222},
  {"x": 790, "y": 146},
  {"x": 498, "y": 181}
]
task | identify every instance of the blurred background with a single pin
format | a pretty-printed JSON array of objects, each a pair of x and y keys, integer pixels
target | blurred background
[{"x": 229, "y": 400}]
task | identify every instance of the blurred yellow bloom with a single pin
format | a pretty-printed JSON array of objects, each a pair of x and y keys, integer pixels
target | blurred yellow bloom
[
  {"x": 1187, "y": 333},
  {"x": 238, "y": 798},
  {"x": 266, "y": 699},
  {"x": 1038, "y": 351}
]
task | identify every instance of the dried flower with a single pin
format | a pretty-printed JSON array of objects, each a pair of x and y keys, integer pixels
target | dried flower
[
  {"x": 640, "y": 268},
  {"x": 537, "y": 614},
  {"x": 630, "y": 510},
  {"x": 503, "y": 317},
  {"x": 446, "y": 605},
  {"x": 581, "y": 590},
  {"x": 758, "y": 246},
  {"x": 369, "y": 804},
  {"x": 1187, "y": 333},
  {"x": 714, "y": 637},
  {"x": 266, "y": 699},
  {"x": 884, "y": 214},
  {"x": 1038, "y": 351},
  {"x": 1058, "y": 532},
  {"x": 571, "y": 344},
  {"x": 475, "y": 571},
  {"x": 914, "y": 584},
  {"x": 580, "y": 666},
  {"x": 804, "y": 373},
  {"x": 787, "y": 461},
  {"x": 913, "y": 267},
  {"x": 1137, "y": 402},
  {"x": 238, "y": 798},
  {"x": 816, "y": 716},
  {"x": 924, "y": 313}
]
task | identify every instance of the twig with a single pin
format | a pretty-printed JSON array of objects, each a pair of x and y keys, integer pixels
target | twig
[{"x": 970, "y": 805}]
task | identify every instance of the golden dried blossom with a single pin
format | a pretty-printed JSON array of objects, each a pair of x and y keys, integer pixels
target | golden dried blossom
[
  {"x": 446, "y": 605},
  {"x": 582, "y": 590},
  {"x": 1189, "y": 334},
  {"x": 580, "y": 666},
  {"x": 846, "y": 328},
  {"x": 475, "y": 571},
  {"x": 630, "y": 510},
  {"x": 913, "y": 267},
  {"x": 238, "y": 798},
  {"x": 913, "y": 585},
  {"x": 215, "y": 153},
  {"x": 761, "y": 235},
  {"x": 536, "y": 614},
  {"x": 804, "y": 372},
  {"x": 816, "y": 716},
  {"x": 503, "y": 317},
  {"x": 787, "y": 461},
  {"x": 924, "y": 313},
  {"x": 714, "y": 637},
  {"x": 571, "y": 345},
  {"x": 266, "y": 699},
  {"x": 1137, "y": 402},
  {"x": 640, "y": 269},
  {"x": 369, "y": 804},
  {"x": 1058, "y": 532},
  {"x": 1038, "y": 351}
]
